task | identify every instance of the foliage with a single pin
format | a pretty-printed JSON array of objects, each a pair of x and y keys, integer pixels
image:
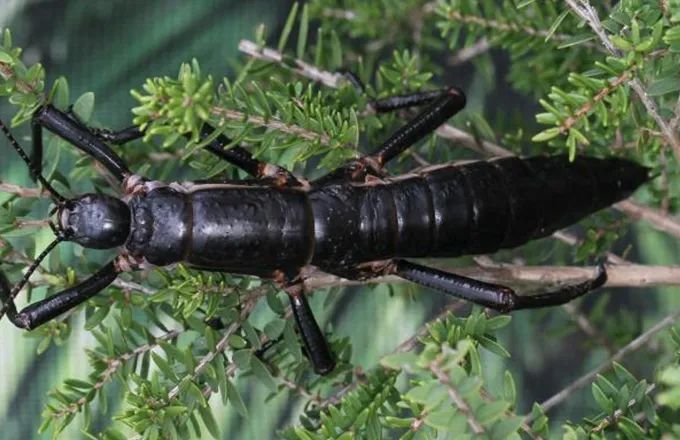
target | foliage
[{"x": 151, "y": 331}]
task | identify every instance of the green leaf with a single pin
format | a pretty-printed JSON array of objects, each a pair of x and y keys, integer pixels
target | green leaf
[
  {"x": 497, "y": 322},
  {"x": 287, "y": 28},
  {"x": 663, "y": 86},
  {"x": 621, "y": 43},
  {"x": 236, "y": 400},
  {"x": 397, "y": 361},
  {"x": 491, "y": 411},
  {"x": 43, "y": 345},
  {"x": 558, "y": 21},
  {"x": 209, "y": 420},
  {"x": 602, "y": 400},
  {"x": 302, "y": 34},
  {"x": 546, "y": 135},
  {"x": 274, "y": 328},
  {"x": 6, "y": 58},
  {"x": 504, "y": 428},
  {"x": 442, "y": 418},
  {"x": 262, "y": 373},
  {"x": 493, "y": 346},
  {"x": 237, "y": 342},
  {"x": 509, "y": 388},
  {"x": 59, "y": 95},
  {"x": 576, "y": 40},
  {"x": 84, "y": 106}
]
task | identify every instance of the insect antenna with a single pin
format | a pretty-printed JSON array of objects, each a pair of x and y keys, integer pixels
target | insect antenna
[
  {"x": 58, "y": 198},
  {"x": 8, "y": 299}
]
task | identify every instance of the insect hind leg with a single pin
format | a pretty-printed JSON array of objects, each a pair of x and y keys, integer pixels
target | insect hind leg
[
  {"x": 563, "y": 294},
  {"x": 441, "y": 105},
  {"x": 494, "y": 296}
]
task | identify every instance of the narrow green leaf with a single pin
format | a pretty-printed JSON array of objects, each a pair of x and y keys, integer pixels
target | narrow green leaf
[
  {"x": 601, "y": 399},
  {"x": 6, "y": 58},
  {"x": 663, "y": 86},
  {"x": 236, "y": 400},
  {"x": 84, "y": 106},
  {"x": 261, "y": 371},
  {"x": 558, "y": 21},
  {"x": 302, "y": 34},
  {"x": 509, "y": 388},
  {"x": 287, "y": 28},
  {"x": 209, "y": 420},
  {"x": 546, "y": 135}
]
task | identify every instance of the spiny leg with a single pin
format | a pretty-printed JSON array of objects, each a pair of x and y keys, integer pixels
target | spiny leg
[
  {"x": 40, "y": 312},
  {"x": 494, "y": 296}
]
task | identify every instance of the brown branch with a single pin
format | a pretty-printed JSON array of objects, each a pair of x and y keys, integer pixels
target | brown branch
[
  {"x": 247, "y": 306},
  {"x": 504, "y": 26},
  {"x": 572, "y": 240},
  {"x": 113, "y": 364},
  {"x": 272, "y": 123},
  {"x": 468, "y": 53},
  {"x": 630, "y": 275},
  {"x": 21, "y": 191},
  {"x": 298, "y": 66},
  {"x": 588, "y": 106},
  {"x": 610, "y": 420},
  {"x": 657, "y": 219},
  {"x": 457, "y": 16},
  {"x": 587, "y": 327},
  {"x": 27, "y": 223},
  {"x": 7, "y": 72},
  {"x": 471, "y": 142}
]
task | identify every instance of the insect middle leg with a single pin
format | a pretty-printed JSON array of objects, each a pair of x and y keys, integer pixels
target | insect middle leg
[
  {"x": 93, "y": 142},
  {"x": 235, "y": 155}
]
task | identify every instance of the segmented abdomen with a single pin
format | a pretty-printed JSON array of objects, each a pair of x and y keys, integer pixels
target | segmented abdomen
[{"x": 471, "y": 208}]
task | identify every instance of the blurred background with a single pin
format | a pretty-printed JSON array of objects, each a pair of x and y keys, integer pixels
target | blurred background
[{"x": 110, "y": 47}]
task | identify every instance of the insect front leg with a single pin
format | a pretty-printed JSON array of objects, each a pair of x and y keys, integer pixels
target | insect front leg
[
  {"x": 235, "y": 155},
  {"x": 69, "y": 128},
  {"x": 494, "y": 296},
  {"x": 40, "y": 312}
]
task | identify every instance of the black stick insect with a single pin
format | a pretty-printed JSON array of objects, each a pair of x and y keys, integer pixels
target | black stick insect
[{"x": 356, "y": 222}]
